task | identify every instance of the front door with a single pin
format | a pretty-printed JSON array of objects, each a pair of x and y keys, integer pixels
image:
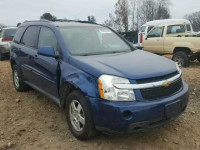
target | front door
[{"x": 46, "y": 68}]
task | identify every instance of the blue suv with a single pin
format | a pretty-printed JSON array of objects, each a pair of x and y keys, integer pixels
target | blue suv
[{"x": 102, "y": 82}]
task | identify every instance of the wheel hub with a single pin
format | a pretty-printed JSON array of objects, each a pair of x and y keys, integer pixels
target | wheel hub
[
  {"x": 16, "y": 79},
  {"x": 77, "y": 116}
]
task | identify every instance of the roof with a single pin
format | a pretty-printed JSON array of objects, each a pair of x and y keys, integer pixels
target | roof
[
  {"x": 62, "y": 22},
  {"x": 166, "y": 21},
  {"x": 9, "y": 28}
]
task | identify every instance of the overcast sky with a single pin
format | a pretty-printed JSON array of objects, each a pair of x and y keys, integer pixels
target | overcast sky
[{"x": 14, "y": 11}]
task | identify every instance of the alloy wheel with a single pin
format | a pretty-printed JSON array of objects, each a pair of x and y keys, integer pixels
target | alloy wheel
[{"x": 77, "y": 117}]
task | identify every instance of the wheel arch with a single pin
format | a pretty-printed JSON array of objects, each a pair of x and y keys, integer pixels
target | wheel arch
[
  {"x": 84, "y": 84},
  {"x": 182, "y": 49}
]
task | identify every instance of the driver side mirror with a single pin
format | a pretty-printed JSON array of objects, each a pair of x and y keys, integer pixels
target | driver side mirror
[{"x": 47, "y": 51}]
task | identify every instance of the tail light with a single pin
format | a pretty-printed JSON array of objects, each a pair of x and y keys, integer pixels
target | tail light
[
  {"x": 7, "y": 39},
  {"x": 141, "y": 38}
]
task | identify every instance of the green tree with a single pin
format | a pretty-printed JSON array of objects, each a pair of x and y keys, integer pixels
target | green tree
[
  {"x": 48, "y": 16},
  {"x": 91, "y": 19}
]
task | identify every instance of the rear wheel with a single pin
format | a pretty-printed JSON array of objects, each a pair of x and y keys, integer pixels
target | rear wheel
[
  {"x": 17, "y": 80},
  {"x": 79, "y": 116},
  {"x": 1, "y": 57},
  {"x": 182, "y": 59}
]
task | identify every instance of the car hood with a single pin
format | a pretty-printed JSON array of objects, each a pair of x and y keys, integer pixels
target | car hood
[{"x": 134, "y": 65}]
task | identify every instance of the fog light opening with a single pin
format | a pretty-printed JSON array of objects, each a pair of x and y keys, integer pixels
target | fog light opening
[{"x": 127, "y": 115}]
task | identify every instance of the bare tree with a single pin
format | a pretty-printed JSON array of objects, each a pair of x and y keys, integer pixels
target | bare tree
[
  {"x": 194, "y": 18},
  {"x": 120, "y": 20},
  {"x": 163, "y": 9},
  {"x": 140, "y": 12}
]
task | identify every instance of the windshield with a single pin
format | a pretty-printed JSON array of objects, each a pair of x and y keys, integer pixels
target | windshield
[{"x": 92, "y": 40}]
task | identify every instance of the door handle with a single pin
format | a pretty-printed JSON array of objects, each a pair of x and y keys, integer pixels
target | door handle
[{"x": 36, "y": 57}]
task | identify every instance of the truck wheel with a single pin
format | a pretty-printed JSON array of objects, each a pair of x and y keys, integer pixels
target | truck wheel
[
  {"x": 17, "y": 80},
  {"x": 182, "y": 59},
  {"x": 198, "y": 58},
  {"x": 79, "y": 116}
]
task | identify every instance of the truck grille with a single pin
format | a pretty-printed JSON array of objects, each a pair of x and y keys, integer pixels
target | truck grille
[{"x": 159, "y": 92}]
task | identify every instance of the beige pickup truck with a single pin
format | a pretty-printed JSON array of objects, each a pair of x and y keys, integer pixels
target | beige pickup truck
[{"x": 172, "y": 39}]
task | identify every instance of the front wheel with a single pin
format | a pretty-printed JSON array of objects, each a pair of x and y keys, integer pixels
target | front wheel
[
  {"x": 79, "y": 117},
  {"x": 182, "y": 59}
]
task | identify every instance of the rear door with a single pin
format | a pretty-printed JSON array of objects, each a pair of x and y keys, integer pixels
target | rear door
[
  {"x": 27, "y": 51},
  {"x": 46, "y": 68},
  {"x": 154, "y": 41}
]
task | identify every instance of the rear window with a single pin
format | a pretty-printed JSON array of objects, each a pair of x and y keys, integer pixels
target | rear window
[
  {"x": 175, "y": 29},
  {"x": 19, "y": 34}
]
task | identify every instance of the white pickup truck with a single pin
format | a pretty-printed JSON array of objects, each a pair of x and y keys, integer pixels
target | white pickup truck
[{"x": 172, "y": 39}]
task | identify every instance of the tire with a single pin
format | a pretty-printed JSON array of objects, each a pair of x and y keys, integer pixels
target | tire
[
  {"x": 79, "y": 117},
  {"x": 17, "y": 80},
  {"x": 1, "y": 57},
  {"x": 198, "y": 58},
  {"x": 182, "y": 59}
]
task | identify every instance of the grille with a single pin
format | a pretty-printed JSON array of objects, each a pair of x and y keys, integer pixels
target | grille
[
  {"x": 159, "y": 92},
  {"x": 155, "y": 79}
]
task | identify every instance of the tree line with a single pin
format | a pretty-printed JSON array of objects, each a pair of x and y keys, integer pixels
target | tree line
[
  {"x": 131, "y": 14},
  {"x": 50, "y": 17},
  {"x": 194, "y": 18}
]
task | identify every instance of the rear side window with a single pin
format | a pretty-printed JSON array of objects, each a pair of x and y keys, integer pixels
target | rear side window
[
  {"x": 47, "y": 38},
  {"x": 175, "y": 29},
  {"x": 18, "y": 34},
  {"x": 31, "y": 36},
  {"x": 188, "y": 26}
]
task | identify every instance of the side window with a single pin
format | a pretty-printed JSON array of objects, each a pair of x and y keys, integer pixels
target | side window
[
  {"x": 156, "y": 32},
  {"x": 47, "y": 38},
  {"x": 175, "y": 29},
  {"x": 188, "y": 26},
  {"x": 19, "y": 34},
  {"x": 30, "y": 37}
]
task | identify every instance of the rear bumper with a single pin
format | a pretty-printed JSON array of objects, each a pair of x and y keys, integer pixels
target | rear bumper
[
  {"x": 4, "y": 49},
  {"x": 128, "y": 117}
]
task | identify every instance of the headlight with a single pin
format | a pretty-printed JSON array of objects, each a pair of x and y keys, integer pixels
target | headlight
[{"x": 109, "y": 92}]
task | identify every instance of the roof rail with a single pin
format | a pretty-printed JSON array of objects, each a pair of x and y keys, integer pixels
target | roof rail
[
  {"x": 78, "y": 21},
  {"x": 41, "y": 20}
]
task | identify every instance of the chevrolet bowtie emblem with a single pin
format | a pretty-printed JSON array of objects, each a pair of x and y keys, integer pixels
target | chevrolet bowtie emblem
[{"x": 166, "y": 83}]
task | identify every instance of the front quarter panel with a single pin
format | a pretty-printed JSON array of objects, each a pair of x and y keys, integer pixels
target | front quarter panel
[{"x": 79, "y": 79}]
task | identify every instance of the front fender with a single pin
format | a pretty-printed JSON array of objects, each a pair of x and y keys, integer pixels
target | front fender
[{"x": 85, "y": 82}]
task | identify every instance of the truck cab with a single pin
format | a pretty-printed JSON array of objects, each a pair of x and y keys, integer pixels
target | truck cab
[{"x": 147, "y": 27}]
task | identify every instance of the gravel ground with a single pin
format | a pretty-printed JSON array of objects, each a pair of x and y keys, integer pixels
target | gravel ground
[{"x": 29, "y": 120}]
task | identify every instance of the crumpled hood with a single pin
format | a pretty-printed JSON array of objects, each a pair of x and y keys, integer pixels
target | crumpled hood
[{"x": 134, "y": 65}]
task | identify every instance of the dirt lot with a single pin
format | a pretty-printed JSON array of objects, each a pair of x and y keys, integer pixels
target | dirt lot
[{"x": 31, "y": 121}]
